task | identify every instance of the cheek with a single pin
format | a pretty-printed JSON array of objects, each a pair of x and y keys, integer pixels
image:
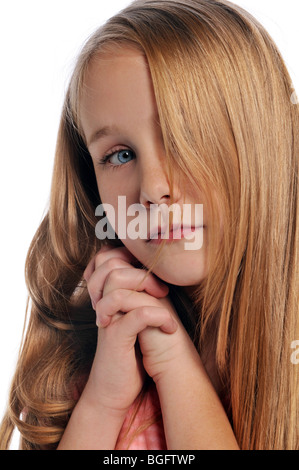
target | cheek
[
  {"x": 111, "y": 188},
  {"x": 107, "y": 195},
  {"x": 119, "y": 195},
  {"x": 116, "y": 208}
]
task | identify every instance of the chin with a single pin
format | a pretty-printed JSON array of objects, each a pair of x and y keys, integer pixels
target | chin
[
  {"x": 177, "y": 267},
  {"x": 180, "y": 276}
]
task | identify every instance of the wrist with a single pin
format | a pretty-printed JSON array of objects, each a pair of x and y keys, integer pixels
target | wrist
[
  {"x": 92, "y": 426},
  {"x": 185, "y": 363},
  {"x": 97, "y": 405},
  {"x": 180, "y": 373}
]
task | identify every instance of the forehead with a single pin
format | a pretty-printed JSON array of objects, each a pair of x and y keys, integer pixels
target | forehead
[
  {"x": 118, "y": 54},
  {"x": 117, "y": 84}
]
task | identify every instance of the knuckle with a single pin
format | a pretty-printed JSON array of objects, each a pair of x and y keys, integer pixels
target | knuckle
[
  {"x": 98, "y": 258},
  {"x": 92, "y": 286},
  {"x": 100, "y": 308},
  {"x": 101, "y": 255},
  {"x": 144, "y": 313},
  {"x": 114, "y": 277},
  {"x": 117, "y": 296},
  {"x": 113, "y": 263}
]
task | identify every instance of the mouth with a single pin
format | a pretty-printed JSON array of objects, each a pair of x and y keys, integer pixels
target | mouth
[{"x": 172, "y": 234}]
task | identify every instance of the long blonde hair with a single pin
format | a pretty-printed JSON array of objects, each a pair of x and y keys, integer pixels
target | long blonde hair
[{"x": 229, "y": 125}]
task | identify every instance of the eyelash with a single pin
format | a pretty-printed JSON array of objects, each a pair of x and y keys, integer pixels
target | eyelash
[{"x": 105, "y": 160}]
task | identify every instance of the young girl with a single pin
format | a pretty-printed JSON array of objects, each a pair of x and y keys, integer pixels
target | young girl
[{"x": 142, "y": 343}]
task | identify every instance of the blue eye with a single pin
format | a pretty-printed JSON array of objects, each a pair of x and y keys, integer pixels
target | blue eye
[{"x": 120, "y": 157}]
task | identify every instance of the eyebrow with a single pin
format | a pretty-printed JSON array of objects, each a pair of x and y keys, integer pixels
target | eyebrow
[{"x": 103, "y": 132}]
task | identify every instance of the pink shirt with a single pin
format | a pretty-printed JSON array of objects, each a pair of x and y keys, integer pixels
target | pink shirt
[{"x": 152, "y": 437}]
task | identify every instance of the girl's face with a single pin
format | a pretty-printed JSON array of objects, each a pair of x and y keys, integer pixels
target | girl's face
[{"x": 121, "y": 125}]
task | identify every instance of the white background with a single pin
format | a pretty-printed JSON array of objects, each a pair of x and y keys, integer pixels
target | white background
[{"x": 39, "y": 42}]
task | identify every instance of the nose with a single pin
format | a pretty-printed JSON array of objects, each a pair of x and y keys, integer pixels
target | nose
[{"x": 154, "y": 184}]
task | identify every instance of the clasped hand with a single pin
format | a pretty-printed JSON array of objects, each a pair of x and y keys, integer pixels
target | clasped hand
[{"x": 130, "y": 303}]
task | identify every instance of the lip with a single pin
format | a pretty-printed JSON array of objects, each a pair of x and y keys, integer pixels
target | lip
[{"x": 176, "y": 233}]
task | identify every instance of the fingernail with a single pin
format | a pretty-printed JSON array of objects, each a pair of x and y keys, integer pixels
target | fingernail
[
  {"x": 103, "y": 322},
  {"x": 173, "y": 327}
]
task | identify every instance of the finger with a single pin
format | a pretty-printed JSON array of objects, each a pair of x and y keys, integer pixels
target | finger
[
  {"x": 115, "y": 273},
  {"x": 113, "y": 319},
  {"x": 89, "y": 269},
  {"x": 98, "y": 278},
  {"x": 122, "y": 300},
  {"x": 135, "y": 279},
  {"x": 137, "y": 320},
  {"x": 121, "y": 253},
  {"x": 105, "y": 253}
]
